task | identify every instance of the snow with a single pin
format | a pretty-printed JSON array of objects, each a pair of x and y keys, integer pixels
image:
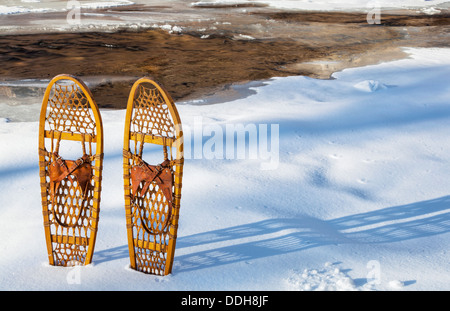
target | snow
[
  {"x": 354, "y": 194},
  {"x": 330, "y": 5},
  {"x": 5, "y": 10},
  {"x": 35, "y": 6},
  {"x": 327, "y": 279},
  {"x": 104, "y": 4},
  {"x": 44, "y": 6}
]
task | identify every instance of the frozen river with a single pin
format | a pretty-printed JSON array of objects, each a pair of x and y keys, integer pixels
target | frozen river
[
  {"x": 49, "y": 5},
  {"x": 37, "y": 16}
]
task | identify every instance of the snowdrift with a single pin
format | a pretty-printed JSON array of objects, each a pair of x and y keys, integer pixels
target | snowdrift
[{"x": 351, "y": 193}]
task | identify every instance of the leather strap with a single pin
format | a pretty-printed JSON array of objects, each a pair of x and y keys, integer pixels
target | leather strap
[
  {"x": 162, "y": 175},
  {"x": 59, "y": 169}
]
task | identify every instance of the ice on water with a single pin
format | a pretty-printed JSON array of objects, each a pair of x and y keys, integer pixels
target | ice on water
[{"x": 36, "y": 6}]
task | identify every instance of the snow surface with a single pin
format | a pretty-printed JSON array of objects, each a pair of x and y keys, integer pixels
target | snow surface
[
  {"x": 35, "y": 6},
  {"x": 44, "y": 6},
  {"x": 359, "y": 198},
  {"x": 329, "y": 5}
]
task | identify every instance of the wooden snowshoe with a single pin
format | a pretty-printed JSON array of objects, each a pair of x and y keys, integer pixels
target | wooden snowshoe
[
  {"x": 152, "y": 192},
  {"x": 70, "y": 188}
]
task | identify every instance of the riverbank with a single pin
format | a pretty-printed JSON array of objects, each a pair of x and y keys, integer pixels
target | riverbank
[{"x": 198, "y": 58}]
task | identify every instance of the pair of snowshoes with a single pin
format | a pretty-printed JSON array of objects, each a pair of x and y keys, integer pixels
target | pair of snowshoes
[{"x": 71, "y": 182}]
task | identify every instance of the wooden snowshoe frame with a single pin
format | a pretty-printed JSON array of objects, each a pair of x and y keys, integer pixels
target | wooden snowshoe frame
[
  {"x": 152, "y": 217},
  {"x": 71, "y": 214}
]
